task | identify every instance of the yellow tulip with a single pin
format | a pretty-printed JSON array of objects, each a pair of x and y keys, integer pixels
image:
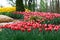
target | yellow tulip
[{"x": 7, "y": 9}]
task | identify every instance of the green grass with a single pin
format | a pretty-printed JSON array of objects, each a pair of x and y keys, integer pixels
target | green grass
[{"x": 7, "y": 34}]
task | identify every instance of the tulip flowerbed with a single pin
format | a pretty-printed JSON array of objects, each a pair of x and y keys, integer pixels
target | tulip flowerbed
[
  {"x": 7, "y": 9},
  {"x": 36, "y": 26},
  {"x": 47, "y": 15}
]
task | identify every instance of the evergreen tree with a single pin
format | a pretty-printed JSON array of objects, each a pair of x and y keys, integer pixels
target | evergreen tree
[{"x": 19, "y": 5}]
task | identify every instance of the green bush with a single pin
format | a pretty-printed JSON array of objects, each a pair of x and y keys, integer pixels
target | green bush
[
  {"x": 15, "y": 16},
  {"x": 55, "y": 21}
]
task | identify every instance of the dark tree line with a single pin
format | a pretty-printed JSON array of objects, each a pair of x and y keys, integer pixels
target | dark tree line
[{"x": 54, "y": 5}]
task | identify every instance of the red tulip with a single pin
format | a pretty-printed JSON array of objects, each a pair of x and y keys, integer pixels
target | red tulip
[
  {"x": 56, "y": 29},
  {"x": 34, "y": 26},
  {"x": 25, "y": 26},
  {"x": 50, "y": 28},
  {"x": 45, "y": 25},
  {"x": 13, "y": 28},
  {"x": 40, "y": 29},
  {"x": 29, "y": 29},
  {"x": 46, "y": 29},
  {"x": 22, "y": 29},
  {"x": 1, "y": 27},
  {"x": 29, "y": 24},
  {"x": 40, "y": 25},
  {"x": 6, "y": 26},
  {"x": 9, "y": 26}
]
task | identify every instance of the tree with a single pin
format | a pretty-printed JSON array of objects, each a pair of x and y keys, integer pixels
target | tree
[
  {"x": 54, "y": 6},
  {"x": 43, "y": 5},
  {"x": 26, "y": 6},
  {"x": 19, "y": 5},
  {"x": 29, "y": 4},
  {"x": 34, "y": 5},
  {"x": 57, "y": 6}
]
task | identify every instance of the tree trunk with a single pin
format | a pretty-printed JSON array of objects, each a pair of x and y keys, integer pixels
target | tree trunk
[
  {"x": 57, "y": 6},
  {"x": 34, "y": 5},
  {"x": 30, "y": 5},
  {"x": 19, "y": 5}
]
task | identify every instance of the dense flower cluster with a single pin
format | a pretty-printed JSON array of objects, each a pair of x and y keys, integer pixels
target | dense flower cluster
[
  {"x": 28, "y": 26},
  {"x": 48, "y": 15},
  {"x": 31, "y": 25},
  {"x": 7, "y": 9}
]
